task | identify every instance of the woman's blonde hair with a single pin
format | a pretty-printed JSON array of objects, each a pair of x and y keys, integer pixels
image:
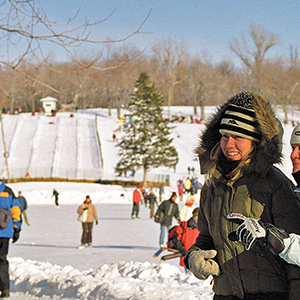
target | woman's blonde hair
[{"x": 190, "y": 199}]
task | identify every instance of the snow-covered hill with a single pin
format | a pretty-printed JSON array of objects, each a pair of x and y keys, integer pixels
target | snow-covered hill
[
  {"x": 67, "y": 146},
  {"x": 51, "y": 147}
]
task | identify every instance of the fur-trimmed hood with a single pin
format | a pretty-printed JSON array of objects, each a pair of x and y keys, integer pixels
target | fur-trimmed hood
[{"x": 268, "y": 151}]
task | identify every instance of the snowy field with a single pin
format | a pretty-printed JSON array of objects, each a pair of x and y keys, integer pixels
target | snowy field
[{"x": 46, "y": 263}]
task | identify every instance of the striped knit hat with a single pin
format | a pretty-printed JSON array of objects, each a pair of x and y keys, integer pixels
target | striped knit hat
[{"x": 240, "y": 119}]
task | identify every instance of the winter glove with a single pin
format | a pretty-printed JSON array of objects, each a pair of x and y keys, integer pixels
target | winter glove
[
  {"x": 252, "y": 231},
  {"x": 202, "y": 265},
  {"x": 183, "y": 252},
  {"x": 96, "y": 222},
  {"x": 85, "y": 208},
  {"x": 16, "y": 235}
]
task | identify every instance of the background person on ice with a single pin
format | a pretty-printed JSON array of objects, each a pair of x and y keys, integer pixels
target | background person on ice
[
  {"x": 23, "y": 205},
  {"x": 151, "y": 198},
  {"x": 136, "y": 199},
  {"x": 251, "y": 230},
  {"x": 184, "y": 235},
  {"x": 9, "y": 202},
  {"x": 87, "y": 225},
  {"x": 55, "y": 195},
  {"x": 168, "y": 209},
  {"x": 186, "y": 212},
  {"x": 238, "y": 149}
]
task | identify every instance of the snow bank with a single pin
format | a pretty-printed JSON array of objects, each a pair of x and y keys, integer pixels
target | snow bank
[{"x": 121, "y": 280}]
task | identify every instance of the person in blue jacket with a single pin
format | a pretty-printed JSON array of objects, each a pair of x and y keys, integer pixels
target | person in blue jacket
[{"x": 9, "y": 202}]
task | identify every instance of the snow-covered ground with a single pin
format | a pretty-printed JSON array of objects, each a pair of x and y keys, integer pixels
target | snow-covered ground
[{"x": 46, "y": 263}]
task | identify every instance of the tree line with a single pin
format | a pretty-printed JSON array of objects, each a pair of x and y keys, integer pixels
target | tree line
[{"x": 107, "y": 78}]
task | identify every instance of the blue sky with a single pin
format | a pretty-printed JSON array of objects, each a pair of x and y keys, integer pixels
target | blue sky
[{"x": 206, "y": 26}]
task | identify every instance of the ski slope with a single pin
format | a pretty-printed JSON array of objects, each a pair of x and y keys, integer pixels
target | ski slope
[
  {"x": 51, "y": 147},
  {"x": 81, "y": 146}
]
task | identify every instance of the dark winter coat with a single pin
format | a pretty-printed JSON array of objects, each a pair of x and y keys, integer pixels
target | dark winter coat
[
  {"x": 170, "y": 210},
  {"x": 23, "y": 203},
  {"x": 297, "y": 178},
  {"x": 55, "y": 194},
  {"x": 259, "y": 191},
  {"x": 151, "y": 198}
]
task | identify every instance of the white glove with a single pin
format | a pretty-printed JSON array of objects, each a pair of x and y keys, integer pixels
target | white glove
[
  {"x": 202, "y": 265},
  {"x": 249, "y": 231}
]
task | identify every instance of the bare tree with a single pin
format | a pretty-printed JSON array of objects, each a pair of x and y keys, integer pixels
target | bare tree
[
  {"x": 169, "y": 54},
  {"x": 282, "y": 85},
  {"x": 253, "y": 56},
  {"x": 27, "y": 32}
]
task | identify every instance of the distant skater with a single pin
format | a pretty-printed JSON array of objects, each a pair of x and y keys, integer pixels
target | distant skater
[
  {"x": 23, "y": 205},
  {"x": 55, "y": 194},
  {"x": 88, "y": 214}
]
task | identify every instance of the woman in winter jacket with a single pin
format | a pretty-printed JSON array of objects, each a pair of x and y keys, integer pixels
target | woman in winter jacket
[
  {"x": 238, "y": 149},
  {"x": 87, "y": 224}
]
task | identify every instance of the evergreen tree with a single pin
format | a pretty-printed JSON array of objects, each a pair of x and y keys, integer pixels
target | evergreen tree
[{"x": 146, "y": 143}]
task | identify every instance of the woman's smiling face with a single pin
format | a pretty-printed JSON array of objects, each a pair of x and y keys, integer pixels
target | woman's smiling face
[{"x": 235, "y": 147}]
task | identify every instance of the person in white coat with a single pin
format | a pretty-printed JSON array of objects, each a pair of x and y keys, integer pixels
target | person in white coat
[{"x": 186, "y": 212}]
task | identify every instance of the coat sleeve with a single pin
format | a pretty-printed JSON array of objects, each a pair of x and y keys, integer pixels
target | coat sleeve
[
  {"x": 177, "y": 213},
  {"x": 95, "y": 213},
  {"x": 80, "y": 209},
  {"x": 177, "y": 240},
  {"x": 291, "y": 252}
]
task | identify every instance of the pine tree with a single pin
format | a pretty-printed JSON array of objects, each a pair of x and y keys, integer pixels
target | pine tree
[{"x": 146, "y": 143}]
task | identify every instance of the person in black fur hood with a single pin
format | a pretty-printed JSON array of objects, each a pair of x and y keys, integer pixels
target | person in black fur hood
[{"x": 238, "y": 150}]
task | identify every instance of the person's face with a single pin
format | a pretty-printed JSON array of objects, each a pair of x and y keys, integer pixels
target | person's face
[
  {"x": 88, "y": 200},
  {"x": 195, "y": 219},
  {"x": 295, "y": 157},
  {"x": 174, "y": 198},
  {"x": 234, "y": 147}
]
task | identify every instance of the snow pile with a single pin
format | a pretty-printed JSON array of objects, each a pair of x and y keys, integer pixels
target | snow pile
[{"x": 122, "y": 280}]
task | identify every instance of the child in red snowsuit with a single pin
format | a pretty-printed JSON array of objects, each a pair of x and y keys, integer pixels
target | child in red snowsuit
[{"x": 183, "y": 236}]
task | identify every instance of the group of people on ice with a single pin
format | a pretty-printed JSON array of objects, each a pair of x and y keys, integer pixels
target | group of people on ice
[{"x": 188, "y": 185}]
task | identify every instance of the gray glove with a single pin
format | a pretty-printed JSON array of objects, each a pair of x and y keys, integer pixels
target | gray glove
[{"x": 202, "y": 265}]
